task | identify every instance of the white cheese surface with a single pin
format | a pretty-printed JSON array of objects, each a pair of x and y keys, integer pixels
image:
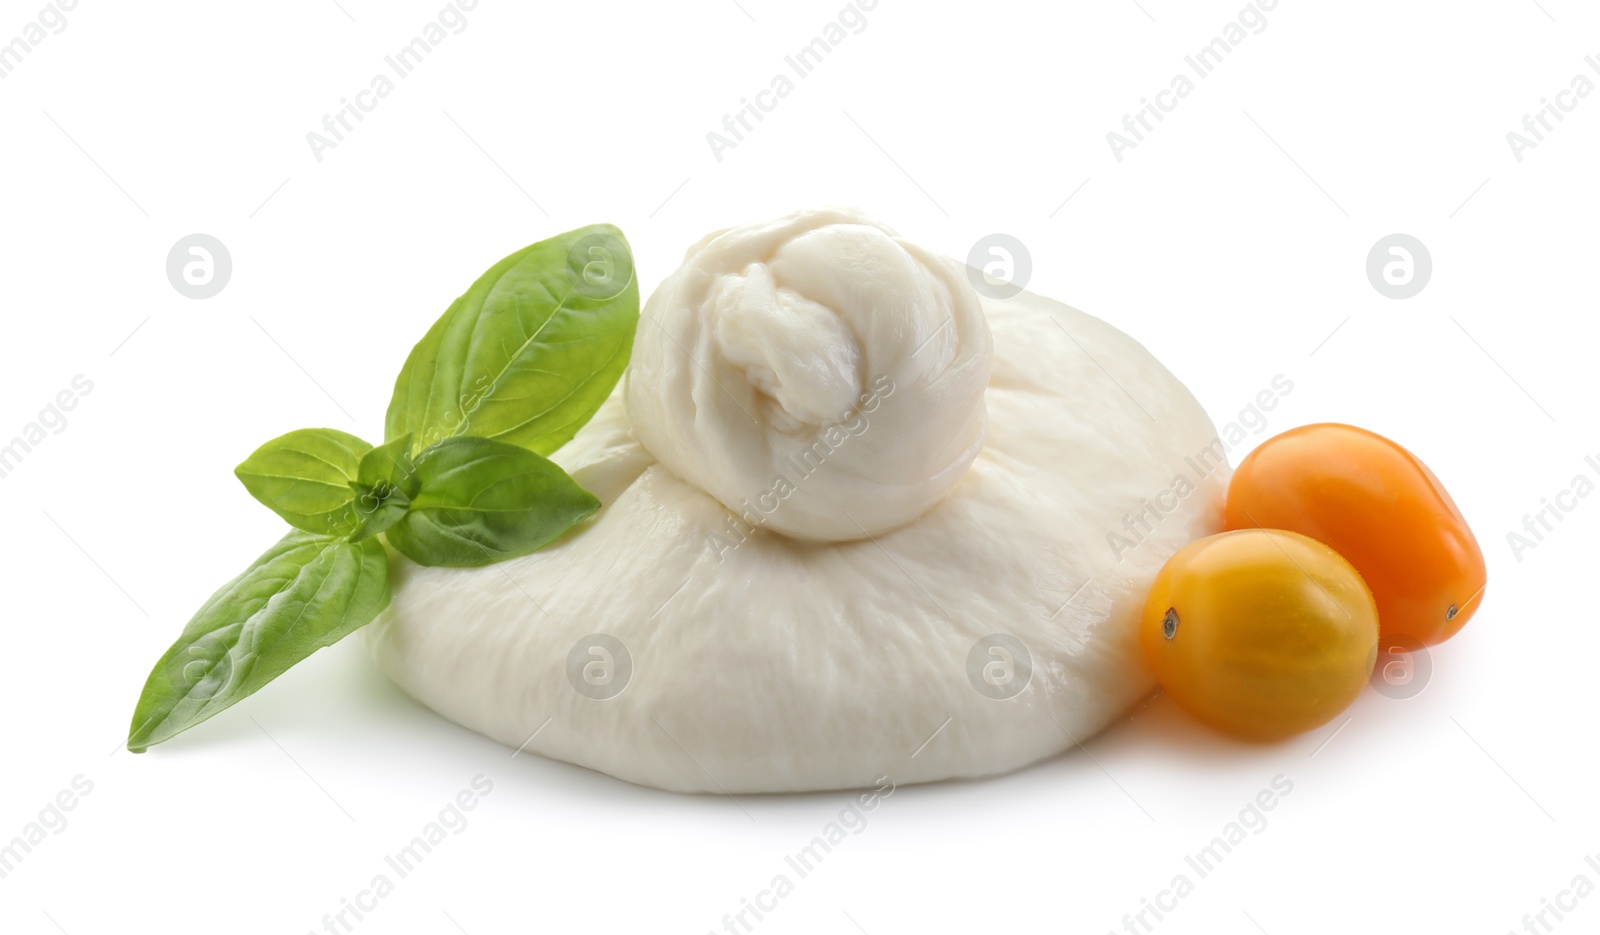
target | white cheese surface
[{"x": 992, "y": 452}]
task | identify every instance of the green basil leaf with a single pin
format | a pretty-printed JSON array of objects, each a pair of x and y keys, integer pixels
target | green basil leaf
[
  {"x": 377, "y": 508},
  {"x": 384, "y": 485},
  {"x": 530, "y": 351},
  {"x": 305, "y": 478},
  {"x": 304, "y": 593},
  {"x": 482, "y": 501},
  {"x": 389, "y": 463}
]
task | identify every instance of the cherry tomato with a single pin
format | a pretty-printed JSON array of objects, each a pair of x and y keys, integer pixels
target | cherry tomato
[
  {"x": 1381, "y": 508},
  {"x": 1260, "y": 633}
]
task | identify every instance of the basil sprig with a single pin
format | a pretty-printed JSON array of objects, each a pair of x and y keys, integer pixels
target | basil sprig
[{"x": 507, "y": 375}]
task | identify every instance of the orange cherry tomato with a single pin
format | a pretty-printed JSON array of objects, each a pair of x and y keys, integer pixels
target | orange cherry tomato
[
  {"x": 1381, "y": 508},
  {"x": 1260, "y": 633}
]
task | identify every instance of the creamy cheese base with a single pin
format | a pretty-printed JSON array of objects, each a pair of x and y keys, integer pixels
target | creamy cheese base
[{"x": 940, "y": 467}]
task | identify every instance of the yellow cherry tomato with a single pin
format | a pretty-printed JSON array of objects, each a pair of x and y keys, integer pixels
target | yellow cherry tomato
[{"x": 1260, "y": 633}]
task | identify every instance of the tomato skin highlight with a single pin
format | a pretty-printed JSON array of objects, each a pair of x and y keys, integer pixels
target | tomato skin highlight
[
  {"x": 1380, "y": 507},
  {"x": 1261, "y": 634}
]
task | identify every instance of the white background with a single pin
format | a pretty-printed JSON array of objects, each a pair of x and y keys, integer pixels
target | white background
[{"x": 1232, "y": 242}]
